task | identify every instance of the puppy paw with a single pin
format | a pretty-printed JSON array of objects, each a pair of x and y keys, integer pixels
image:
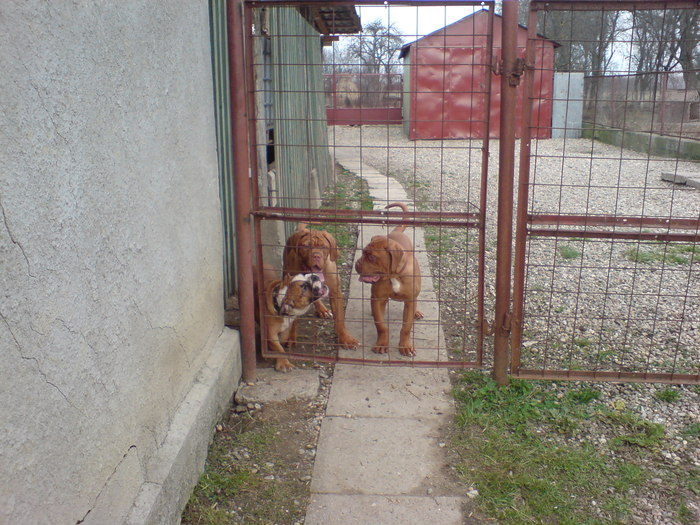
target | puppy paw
[
  {"x": 323, "y": 312},
  {"x": 283, "y": 365},
  {"x": 348, "y": 341},
  {"x": 418, "y": 314},
  {"x": 407, "y": 350},
  {"x": 380, "y": 349}
]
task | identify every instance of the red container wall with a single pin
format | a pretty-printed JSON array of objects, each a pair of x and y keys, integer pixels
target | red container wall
[{"x": 450, "y": 70}]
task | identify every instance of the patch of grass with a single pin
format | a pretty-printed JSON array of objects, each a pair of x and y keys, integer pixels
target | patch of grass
[
  {"x": 568, "y": 252},
  {"x": 633, "y": 431},
  {"x": 582, "y": 342},
  {"x": 668, "y": 395},
  {"x": 583, "y": 396},
  {"x": 692, "y": 430},
  {"x": 224, "y": 478},
  {"x": 524, "y": 476},
  {"x": 666, "y": 253}
]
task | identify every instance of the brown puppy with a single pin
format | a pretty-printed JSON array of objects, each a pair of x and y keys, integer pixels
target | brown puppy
[
  {"x": 388, "y": 262},
  {"x": 315, "y": 251},
  {"x": 283, "y": 302}
]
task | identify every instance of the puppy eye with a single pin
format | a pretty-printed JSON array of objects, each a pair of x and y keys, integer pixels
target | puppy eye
[
  {"x": 371, "y": 258},
  {"x": 305, "y": 286}
]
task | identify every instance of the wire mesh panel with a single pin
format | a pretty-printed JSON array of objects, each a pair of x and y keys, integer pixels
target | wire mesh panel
[
  {"x": 608, "y": 235},
  {"x": 312, "y": 179}
]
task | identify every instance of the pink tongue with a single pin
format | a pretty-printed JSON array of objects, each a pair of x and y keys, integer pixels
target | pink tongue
[{"x": 369, "y": 279}]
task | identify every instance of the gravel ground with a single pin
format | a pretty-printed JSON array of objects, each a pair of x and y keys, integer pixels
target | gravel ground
[{"x": 590, "y": 304}]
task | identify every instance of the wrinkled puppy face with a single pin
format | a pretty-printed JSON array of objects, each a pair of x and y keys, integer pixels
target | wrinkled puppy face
[
  {"x": 314, "y": 248},
  {"x": 377, "y": 260},
  {"x": 300, "y": 293}
]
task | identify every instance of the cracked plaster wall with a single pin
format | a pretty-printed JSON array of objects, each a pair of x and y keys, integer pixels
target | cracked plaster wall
[{"x": 110, "y": 244}]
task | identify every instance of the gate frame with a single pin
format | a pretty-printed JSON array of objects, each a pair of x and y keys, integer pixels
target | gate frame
[
  {"x": 547, "y": 225},
  {"x": 246, "y": 176}
]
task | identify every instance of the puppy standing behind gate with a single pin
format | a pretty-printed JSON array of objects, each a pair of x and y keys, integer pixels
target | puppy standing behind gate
[
  {"x": 315, "y": 251},
  {"x": 284, "y": 300},
  {"x": 389, "y": 264}
]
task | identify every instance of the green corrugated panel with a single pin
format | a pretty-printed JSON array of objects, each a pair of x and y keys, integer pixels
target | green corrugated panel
[
  {"x": 301, "y": 133},
  {"x": 222, "y": 108}
]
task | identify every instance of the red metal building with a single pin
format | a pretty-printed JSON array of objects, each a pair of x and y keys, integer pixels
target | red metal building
[{"x": 447, "y": 76}]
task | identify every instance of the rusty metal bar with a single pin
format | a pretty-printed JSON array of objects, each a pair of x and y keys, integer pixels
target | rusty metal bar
[
  {"x": 483, "y": 194},
  {"x": 599, "y": 234},
  {"x": 506, "y": 170},
  {"x": 241, "y": 162},
  {"x": 626, "y": 377},
  {"x": 611, "y": 220},
  {"x": 611, "y": 5},
  {"x": 523, "y": 195},
  {"x": 470, "y": 220},
  {"x": 373, "y": 362},
  {"x": 332, "y": 3}
]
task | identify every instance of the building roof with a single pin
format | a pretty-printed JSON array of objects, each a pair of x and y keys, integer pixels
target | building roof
[
  {"x": 406, "y": 47},
  {"x": 332, "y": 20}
]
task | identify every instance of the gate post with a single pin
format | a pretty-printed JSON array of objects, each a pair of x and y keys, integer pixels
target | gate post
[
  {"x": 242, "y": 191},
  {"x": 510, "y": 79}
]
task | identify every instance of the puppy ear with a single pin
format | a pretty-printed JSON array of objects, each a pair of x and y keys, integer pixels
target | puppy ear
[
  {"x": 289, "y": 254},
  {"x": 332, "y": 245},
  {"x": 396, "y": 256}
]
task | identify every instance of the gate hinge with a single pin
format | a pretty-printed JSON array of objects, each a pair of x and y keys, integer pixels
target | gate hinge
[
  {"x": 505, "y": 326},
  {"x": 518, "y": 71},
  {"x": 486, "y": 328}
]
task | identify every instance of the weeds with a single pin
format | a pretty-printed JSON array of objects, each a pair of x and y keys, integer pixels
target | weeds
[
  {"x": 525, "y": 475},
  {"x": 568, "y": 252},
  {"x": 664, "y": 253},
  {"x": 668, "y": 395}
]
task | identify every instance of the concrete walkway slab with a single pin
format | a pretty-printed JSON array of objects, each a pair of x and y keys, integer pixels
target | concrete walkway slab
[
  {"x": 271, "y": 386},
  {"x": 339, "y": 509},
  {"x": 387, "y": 456},
  {"x": 379, "y": 391}
]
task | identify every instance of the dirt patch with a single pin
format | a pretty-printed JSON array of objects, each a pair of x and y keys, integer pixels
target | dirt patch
[{"x": 260, "y": 463}]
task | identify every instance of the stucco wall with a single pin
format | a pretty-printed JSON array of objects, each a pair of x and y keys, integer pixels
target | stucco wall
[{"x": 110, "y": 249}]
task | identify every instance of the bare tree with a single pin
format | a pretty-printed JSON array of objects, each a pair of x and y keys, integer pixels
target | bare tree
[
  {"x": 667, "y": 40},
  {"x": 377, "y": 48},
  {"x": 585, "y": 38}
]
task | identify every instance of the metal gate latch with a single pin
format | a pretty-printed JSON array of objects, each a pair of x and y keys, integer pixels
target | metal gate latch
[{"x": 517, "y": 72}]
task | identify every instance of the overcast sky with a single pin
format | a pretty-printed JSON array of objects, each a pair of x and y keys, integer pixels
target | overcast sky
[{"x": 412, "y": 21}]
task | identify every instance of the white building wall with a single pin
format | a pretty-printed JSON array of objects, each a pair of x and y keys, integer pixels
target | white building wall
[{"x": 111, "y": 301}]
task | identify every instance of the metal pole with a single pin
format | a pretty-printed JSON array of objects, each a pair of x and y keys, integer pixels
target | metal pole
[
  {"x": 523, "y": 196},
  {"x": 242, "y": 191},
  {"x": 506, "y": 156}
]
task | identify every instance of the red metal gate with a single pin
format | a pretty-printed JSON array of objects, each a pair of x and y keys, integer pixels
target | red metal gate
[
  {"x": 301, "y": 174},
  {"x": 607, "y": 261},
  {"x": 606, "y": 266}
]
